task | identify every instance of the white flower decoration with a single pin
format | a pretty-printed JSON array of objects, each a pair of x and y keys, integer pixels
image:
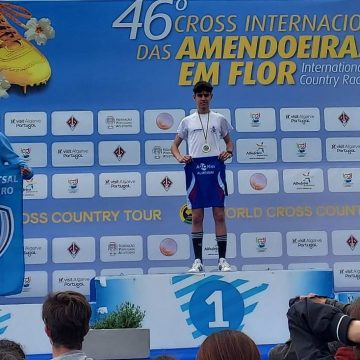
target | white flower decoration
[
  {"x": 4, "y": 86},
  {"x": 39, "y": 30}
]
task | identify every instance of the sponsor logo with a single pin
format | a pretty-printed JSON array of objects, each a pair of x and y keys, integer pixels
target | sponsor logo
[
  {"x": 347, "y": 179},
  {"x": 73, "y": 185},
  {"x": 352, "y": 242},
  {"x": 164, "y": 121},
  {"x": 301, "y": 149},
  {"x": 258, "y": 181},
  {"x": 350, "y": 273},
  {"x": 258, "y": 153},
  {"x": 185, "y": 214},
  {"x": 110, "y": 122},
  {"x": 112, "y": 248},
  {"x": 212, "y": 250},
  {"x": 307, "y": 242},
  {"x": 73, "y": 153},
  {"x": 344, "y": 118},
  {"x": 260, "y": 148},
  {"x": 255, "y": 119},
  {"x": 30, "y": 251},
  {"x": 72, "y": 122},
  {"x": 25, "y": 123},
  {"x": 157, "y": 151},
  {"x": 25, "y": 152},
  {"x": 27, "y": 283},
  {"x": 73, "y": 249},
  {"x": 29, "y": 185},
  {"x": 305, "y": 182},
  {"x": 29, "y": 188},
  {"x": 299, "y": 118},
  {"x": 115, "y": 248},
  {"x": 74, "y": 282},
  {"x": 205, "y": 169},
  {"x": 168, "y": 247},
  {"x": 345, "y": 148},
  {"x": 113, "y": 122},
  {"x": 166, "y": 183},
  {"x": 119, "y": 152},
  {"x": 161, "y": 152},
  {"x": 261, "y": 244},
  {"x": 119, "y": 183}
]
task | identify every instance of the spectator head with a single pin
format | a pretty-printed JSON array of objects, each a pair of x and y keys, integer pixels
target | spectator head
[
  {"x": 66, "y": 316},
  {"x": 355, "y": 313},
  {"x": 8, "y": 356},
  {"x": 164, "y": 357},
  {"x": 9, "y": 347},
  {"x": 355, "y": 309},
  {"x": 228, "y": 345}
]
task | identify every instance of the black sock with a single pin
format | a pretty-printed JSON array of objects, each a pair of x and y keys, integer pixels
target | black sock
[
  {"x": 222, "y": 242},
  {"x": 197, "y": 239}
]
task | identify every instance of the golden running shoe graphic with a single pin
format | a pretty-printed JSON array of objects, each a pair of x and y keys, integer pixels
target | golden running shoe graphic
[{"x": 20, "y": 62}]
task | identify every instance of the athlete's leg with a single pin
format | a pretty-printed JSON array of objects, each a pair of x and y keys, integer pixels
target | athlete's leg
[
  {"x": 221, "y": 236},
  {"x": 197, "y": 232}
]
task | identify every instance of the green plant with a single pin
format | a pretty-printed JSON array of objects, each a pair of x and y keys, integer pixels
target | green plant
[{"x": 126, "y": 315}]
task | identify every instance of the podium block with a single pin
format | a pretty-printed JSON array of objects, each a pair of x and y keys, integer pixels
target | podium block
[{"x": 181, "y": 310}]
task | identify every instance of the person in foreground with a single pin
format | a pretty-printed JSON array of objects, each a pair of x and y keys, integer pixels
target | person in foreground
[
  {"x": 313, "y": 325},
  {"x": 205, "y": 170},
  {"x": 286, "y": 350},
  {"x": 228, "y": 345},
  {"x": 66, "y": 316},
  {"x": 8, "y": 156},
  {"x": 11, "y": 350}
]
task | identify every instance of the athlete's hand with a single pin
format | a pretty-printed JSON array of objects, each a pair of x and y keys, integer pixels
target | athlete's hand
[
  {"x": 225, "y": 156},
  {"x": 185, "y": 159},
  {"x": 24, "y": 171}
]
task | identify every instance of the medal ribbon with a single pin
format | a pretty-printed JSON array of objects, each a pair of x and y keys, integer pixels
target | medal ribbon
[{"x": 207, "y": 127}]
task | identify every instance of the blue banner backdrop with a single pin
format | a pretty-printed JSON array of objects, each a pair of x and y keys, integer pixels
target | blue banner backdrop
[{"x": 101, "y": 89}]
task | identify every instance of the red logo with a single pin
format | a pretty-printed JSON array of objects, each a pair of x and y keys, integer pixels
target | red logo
[
  {"x": 73, "y": 249},
  {"x": 166, "y": 183},
  {"x": 352, "y": 242},
  {"x": 119, "y": 152},
  {"x": 344, "y": 118},
  {"x": 72, "y": 122}
]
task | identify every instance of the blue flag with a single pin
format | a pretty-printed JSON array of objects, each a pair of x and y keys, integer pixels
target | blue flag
[{"x": 12, "y": 266}]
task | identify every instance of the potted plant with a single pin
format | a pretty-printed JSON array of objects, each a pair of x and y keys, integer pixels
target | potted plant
[{"x": 118, "y": 335}]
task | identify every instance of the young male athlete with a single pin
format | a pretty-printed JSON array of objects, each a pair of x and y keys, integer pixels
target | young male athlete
[{"x": 205, "y": 170}]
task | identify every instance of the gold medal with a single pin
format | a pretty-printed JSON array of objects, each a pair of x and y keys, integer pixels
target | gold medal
[{"x": 206, "y": 148}]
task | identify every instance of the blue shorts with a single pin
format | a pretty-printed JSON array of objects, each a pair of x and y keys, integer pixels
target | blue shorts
[{"x": 205, "y": 182}]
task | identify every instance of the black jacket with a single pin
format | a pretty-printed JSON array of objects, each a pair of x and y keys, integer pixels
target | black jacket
[
  {"x": 286, "y": 351},
  {"x": 313, "y": 325}
]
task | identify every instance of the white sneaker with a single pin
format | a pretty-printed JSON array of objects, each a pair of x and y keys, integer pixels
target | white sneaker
[
  {"x": 224, "y": 265},
  {"x": 197, "y": 266}
]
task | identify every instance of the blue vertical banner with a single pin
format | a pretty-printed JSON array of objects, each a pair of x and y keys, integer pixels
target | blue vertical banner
[{"x": 11, "y": 232}]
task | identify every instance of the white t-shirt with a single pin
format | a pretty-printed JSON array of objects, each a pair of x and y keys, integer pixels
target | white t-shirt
[{"x": 191, "y": 130}]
